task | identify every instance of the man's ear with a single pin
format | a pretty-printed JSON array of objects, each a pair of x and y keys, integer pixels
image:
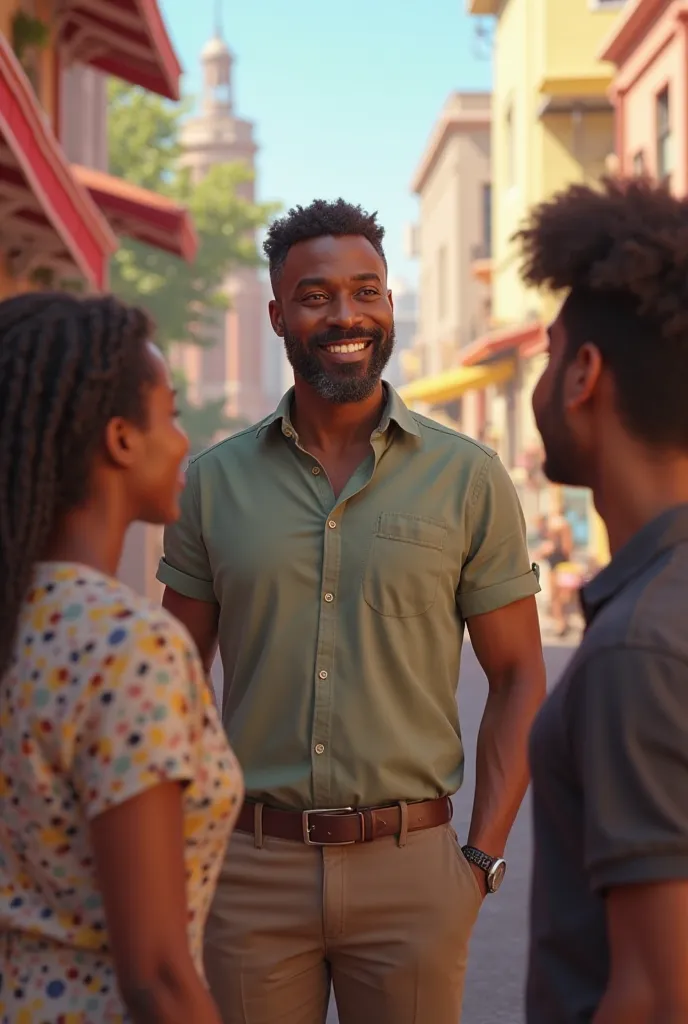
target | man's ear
[
  {"x": 276, "y": 318},
  {"x": 582, "y": 376}
]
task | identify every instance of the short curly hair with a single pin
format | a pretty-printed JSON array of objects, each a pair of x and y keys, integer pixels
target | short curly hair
[
  {"x": 621, "y": 250},
  {"x": 318, "y": 219}
]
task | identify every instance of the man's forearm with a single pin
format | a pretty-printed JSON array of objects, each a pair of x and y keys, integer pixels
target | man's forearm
[{"x": 502, "y": 773}]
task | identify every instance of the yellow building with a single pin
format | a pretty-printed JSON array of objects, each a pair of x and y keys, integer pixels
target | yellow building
[{"x": 552, "y": 124}]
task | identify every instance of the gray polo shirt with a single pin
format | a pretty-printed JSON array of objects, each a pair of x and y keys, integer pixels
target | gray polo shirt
[{"x": 609, "y": 760}]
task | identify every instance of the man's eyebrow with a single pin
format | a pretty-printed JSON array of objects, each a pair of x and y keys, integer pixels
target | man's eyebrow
[
  {"x": 306, "y": 282},
  {"x": 322, "y": 282}
]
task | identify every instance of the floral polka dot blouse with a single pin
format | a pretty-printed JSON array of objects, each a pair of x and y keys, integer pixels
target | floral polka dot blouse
[{"x": 105, "y": 698}]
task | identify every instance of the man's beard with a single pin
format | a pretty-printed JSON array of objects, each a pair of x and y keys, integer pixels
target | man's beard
[
  {"x": 563, "y": 461},
  {"x": 346, "y": 382}
]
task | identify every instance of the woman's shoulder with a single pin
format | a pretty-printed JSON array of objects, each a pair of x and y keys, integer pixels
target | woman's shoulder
[{"x": 88, "y": 606}]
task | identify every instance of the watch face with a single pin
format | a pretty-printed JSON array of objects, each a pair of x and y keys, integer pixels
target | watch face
[{"x": 495, "y": 875}]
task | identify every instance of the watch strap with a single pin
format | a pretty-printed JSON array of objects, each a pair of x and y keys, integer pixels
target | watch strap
[{"x": 477, "y": 857}]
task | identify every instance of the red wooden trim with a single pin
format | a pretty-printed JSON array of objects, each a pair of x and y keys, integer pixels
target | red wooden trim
[
  {"x": 146, "y": 216},
  {"x": 67, "y": 206},
  {"x": 497, "y": 342},
  {"x": 160, "y": 74}
]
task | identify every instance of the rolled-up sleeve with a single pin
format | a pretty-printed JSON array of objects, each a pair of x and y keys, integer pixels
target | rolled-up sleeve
[
  {"x": 497, "y": 570},
  {"x": 628, "y": 718},
  {"x": 185, "y": 566}
]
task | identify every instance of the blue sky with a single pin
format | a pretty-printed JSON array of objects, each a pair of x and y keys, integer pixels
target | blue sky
[{"x": 344, "y": 97}]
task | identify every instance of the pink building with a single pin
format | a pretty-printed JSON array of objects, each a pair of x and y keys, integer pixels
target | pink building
[{"x": 649, "y": 46}]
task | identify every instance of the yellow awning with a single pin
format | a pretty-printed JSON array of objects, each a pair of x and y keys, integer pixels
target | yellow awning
[{"x": 452, "y": 384}]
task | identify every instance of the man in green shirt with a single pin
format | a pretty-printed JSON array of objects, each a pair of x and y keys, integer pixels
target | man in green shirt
[{"x": 337, "y": 550}]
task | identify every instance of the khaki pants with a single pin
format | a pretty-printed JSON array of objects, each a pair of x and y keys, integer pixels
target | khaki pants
[{"x": 386, "y": 922}]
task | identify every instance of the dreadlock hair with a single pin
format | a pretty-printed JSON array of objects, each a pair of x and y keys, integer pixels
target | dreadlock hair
[
  {"x": 67, "y": 366},
  {"x": 622, "y": 252},
  {"x": 319, "y": 219}
]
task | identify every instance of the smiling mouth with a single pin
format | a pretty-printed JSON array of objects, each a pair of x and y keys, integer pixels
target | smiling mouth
[{"x": 347, "y": 346}]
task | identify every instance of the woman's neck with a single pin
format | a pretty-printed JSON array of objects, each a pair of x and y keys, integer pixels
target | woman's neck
[{"x": 92, "y": 535}]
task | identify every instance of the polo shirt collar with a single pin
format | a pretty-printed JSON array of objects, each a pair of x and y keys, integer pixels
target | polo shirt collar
[
  {"x": 394, "y": 411},
  {"x": 661, "y": 534}
]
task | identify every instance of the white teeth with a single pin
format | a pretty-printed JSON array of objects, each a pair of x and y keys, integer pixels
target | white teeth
[{"x": 356, "y": 346}]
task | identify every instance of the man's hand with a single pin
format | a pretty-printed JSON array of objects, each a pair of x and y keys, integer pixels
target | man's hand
[{"x": 480, "y": 877}]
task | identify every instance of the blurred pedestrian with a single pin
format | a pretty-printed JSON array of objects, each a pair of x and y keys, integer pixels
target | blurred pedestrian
[
  {"x": 117, "y": 786},
  {"x": 609, "y": 751},
  {"x": 337, "y": 549},
  {"x": 556, "y": 548}
]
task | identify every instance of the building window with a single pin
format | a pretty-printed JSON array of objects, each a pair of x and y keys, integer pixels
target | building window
[
  {"x": 442, "y": 283},
  {"x": 487, "y": 219},
  {"x": 663, "y": 128},
  {"x": 639, "y": 163},
  {"x": 509, "y": 135}
]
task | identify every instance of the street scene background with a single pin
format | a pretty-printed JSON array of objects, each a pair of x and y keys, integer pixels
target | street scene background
[{"x": 147, "y": 152}]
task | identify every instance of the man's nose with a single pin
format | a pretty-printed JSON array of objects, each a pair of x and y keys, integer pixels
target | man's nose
[{"x": 343, "y": 313}]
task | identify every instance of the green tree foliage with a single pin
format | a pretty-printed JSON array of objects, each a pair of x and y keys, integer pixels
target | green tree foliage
[
  {"x": 203, "y": 422},
  {"x": 184, "y": 300}
]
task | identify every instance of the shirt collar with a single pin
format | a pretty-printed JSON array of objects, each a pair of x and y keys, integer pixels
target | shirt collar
[
  {"x": 394, "y": 411},
  {"x": 661, "y": 534}
]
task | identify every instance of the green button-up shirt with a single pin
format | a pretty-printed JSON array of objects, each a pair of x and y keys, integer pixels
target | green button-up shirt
[{"x": 342, "y": 619}]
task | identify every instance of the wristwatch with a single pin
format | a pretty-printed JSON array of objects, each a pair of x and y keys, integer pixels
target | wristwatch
[{"x": 494, "y": 867}]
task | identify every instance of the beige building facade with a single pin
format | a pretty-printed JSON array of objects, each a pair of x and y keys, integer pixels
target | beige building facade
[{"x": 453, "y": 185}]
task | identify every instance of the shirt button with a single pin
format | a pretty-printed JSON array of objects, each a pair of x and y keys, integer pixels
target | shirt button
[
  {"x": 329, "y": 597},
  {"x": 316, "y": 471},
  {"x": 332, "y": 525},
  {"x": 287, "y": 432},
  {"x": 322, "y": 673},
  {"x": 319, "y": 748}
]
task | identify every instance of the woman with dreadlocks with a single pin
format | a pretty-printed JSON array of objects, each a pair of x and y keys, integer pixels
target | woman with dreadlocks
[{"x": 117, "y": 788}]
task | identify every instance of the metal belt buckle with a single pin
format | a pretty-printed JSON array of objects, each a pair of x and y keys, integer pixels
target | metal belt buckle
[{"x": 307, "y": 827}]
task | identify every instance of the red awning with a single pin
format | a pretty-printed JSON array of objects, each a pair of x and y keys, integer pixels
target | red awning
[
  {"x": 498, "y": 343},
  {"x": 124, "y": 38},
  {"x": 140, "y": 214},
  {"x": 47, "y": 219}
]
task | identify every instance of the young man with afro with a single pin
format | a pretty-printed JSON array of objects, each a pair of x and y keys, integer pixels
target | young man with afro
[{"x": 609, "y": 750}]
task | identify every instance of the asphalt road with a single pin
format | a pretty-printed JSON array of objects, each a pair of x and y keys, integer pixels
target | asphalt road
[{"x": 494, "y": 984}]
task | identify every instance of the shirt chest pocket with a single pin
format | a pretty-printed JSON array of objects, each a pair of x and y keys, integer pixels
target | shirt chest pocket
[{"x": 404, "y": 564}]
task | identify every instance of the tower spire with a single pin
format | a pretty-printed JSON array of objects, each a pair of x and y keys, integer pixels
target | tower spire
[{"x": 218, "y": 19}]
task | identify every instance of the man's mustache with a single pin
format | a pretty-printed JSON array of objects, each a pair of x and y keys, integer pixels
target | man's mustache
[{"x": 336, "y": 335}]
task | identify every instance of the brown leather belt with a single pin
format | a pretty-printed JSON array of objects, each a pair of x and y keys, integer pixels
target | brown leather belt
[{"x": 345, "y": 826}]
